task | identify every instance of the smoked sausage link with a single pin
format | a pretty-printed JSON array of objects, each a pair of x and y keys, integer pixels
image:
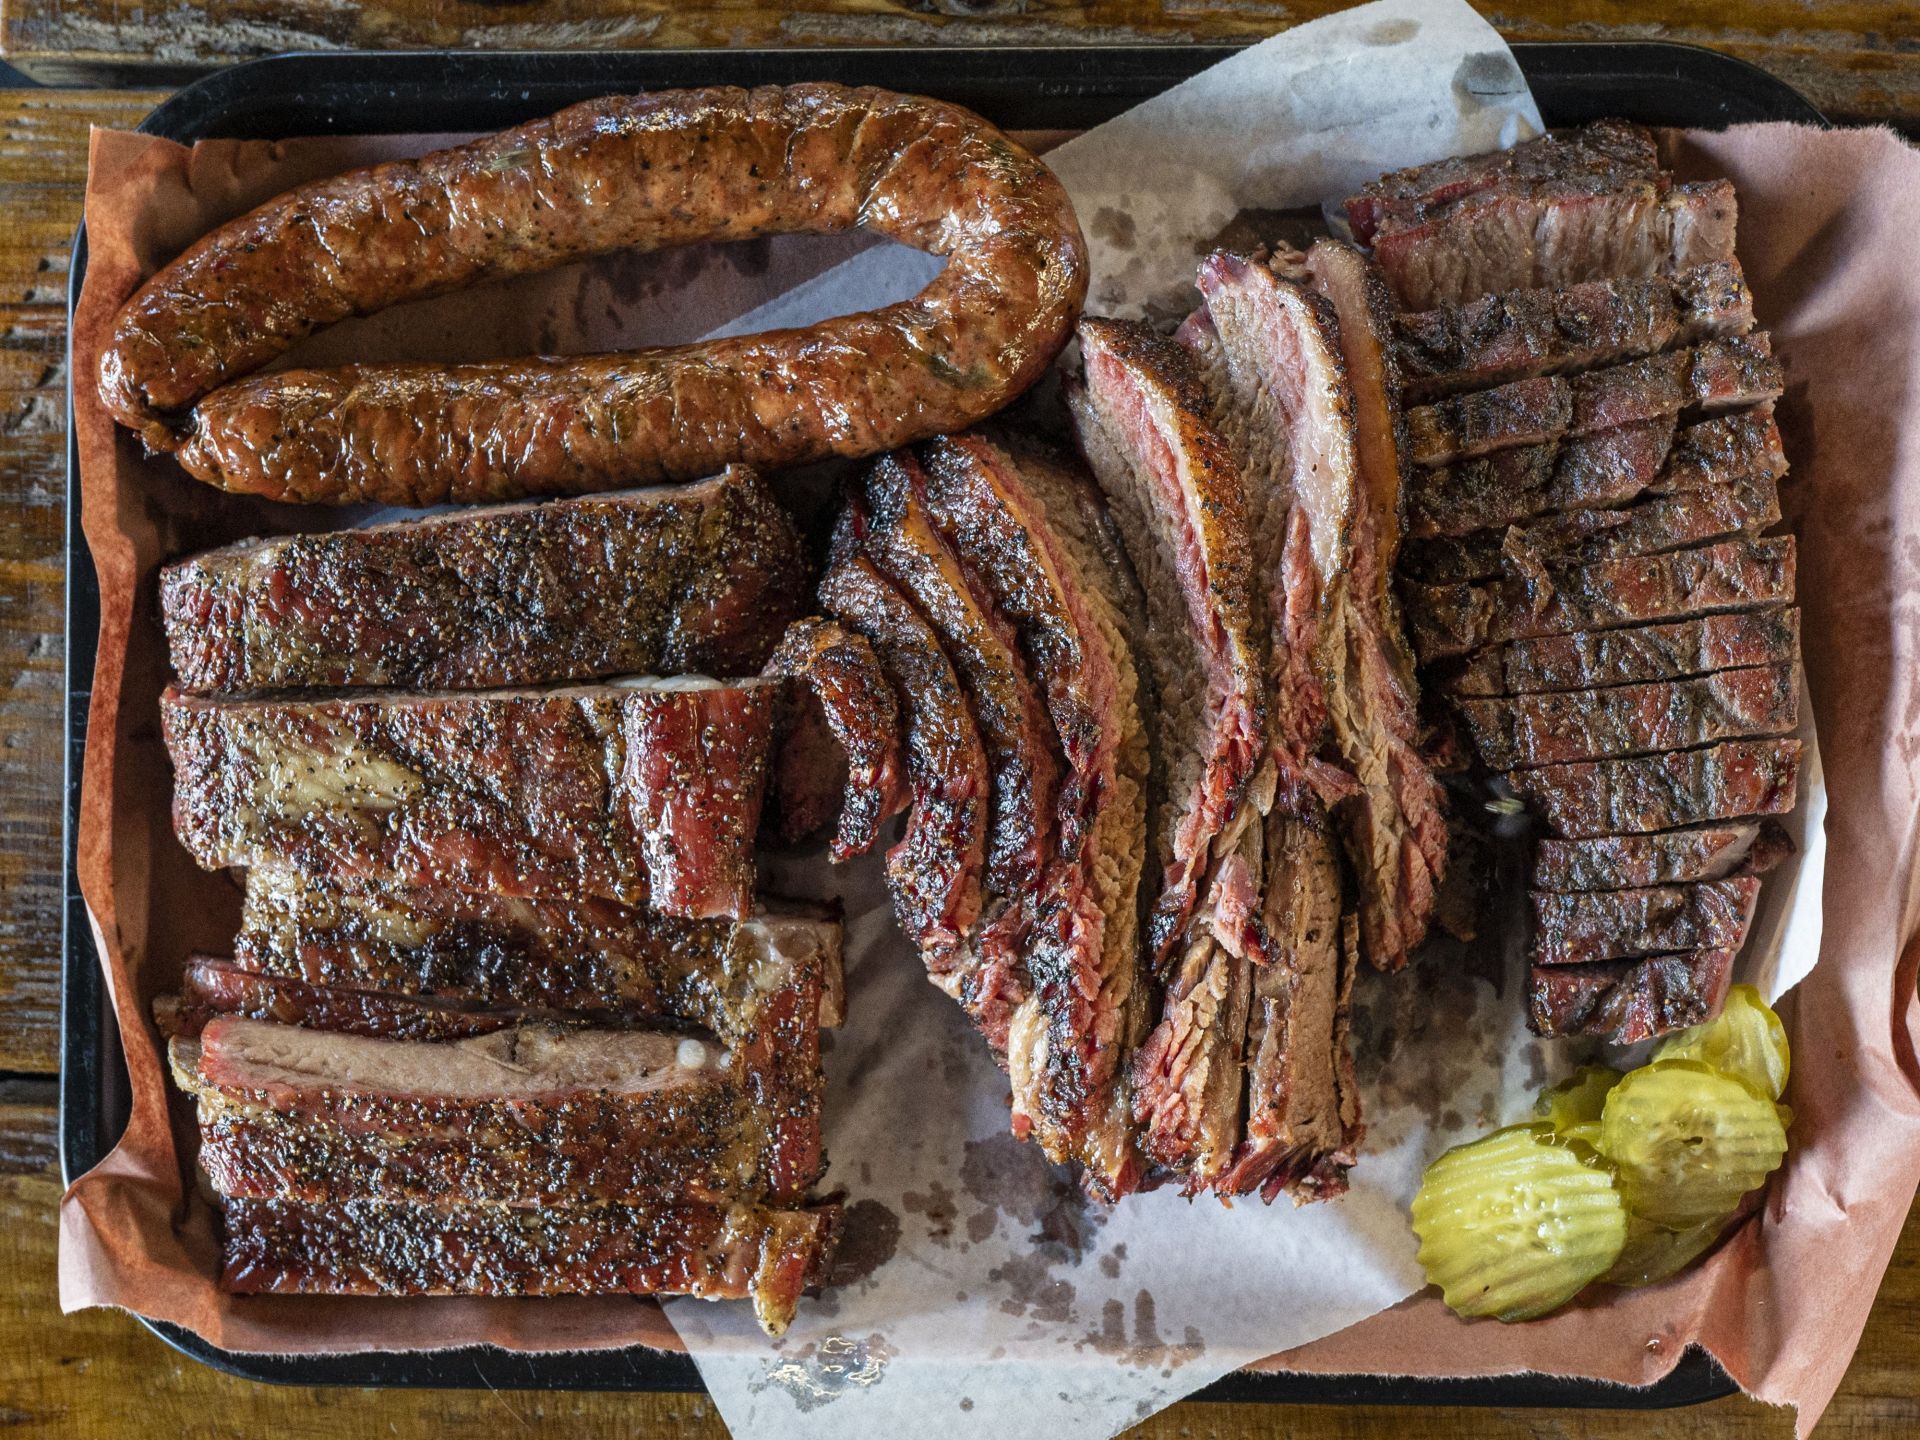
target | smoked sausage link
[{"x": 646, "y": 172}]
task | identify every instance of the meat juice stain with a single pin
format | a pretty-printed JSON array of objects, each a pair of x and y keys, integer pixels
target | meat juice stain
[
  {"x": 869, "y": 1234},
  {"x": 817, "y": 1375},
  {"x": 1145, "y": 1349},
  {"x": 939, "y": 1209}
]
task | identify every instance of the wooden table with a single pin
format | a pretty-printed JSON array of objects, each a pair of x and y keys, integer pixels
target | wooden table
[{"x": 99, "y": 1374}]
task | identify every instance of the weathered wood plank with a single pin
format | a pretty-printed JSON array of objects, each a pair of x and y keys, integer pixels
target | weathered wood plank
[{"x": 1854, "y": 58}]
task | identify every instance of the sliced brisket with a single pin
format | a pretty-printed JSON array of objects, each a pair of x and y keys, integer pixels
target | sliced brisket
[
  {"x": 685, "y": 579},
  {"x": 842, "y": 677},
  {"x": 361, "y": 1247},
  {"x": 1635, "y": 656},
  {"x": 1627, "y": 1001},
  {"x": 1632, "y": 719},
  {"x": 1557, "y": 331},
  {"x": 1664, "y": 792},
  {"x": 1718, "y": 375},
  {"x": 1449, "y": 620},
  {"x": 1624, "y": 862},
  {"x": 1573, "y": 929},
  {"x": 642, "y": 792}
]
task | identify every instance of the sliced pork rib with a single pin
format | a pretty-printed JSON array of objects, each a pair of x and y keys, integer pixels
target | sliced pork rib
[
  {"x": 644, "y": 792},
  {"x": 1573, "y": 929},
  {"x": 692, "y": 579},
  {"x": 1627, "y": 862},
  {"x": 1632, "y": 719},
  {"x": 1663, "y": 792},
  {"x": 1450, "y": 620},
  {"x": 1555, "y": 331},
  {"x": 361, "y": 1247},
  {"x": 1627, "y": 1001},
  {"x": 532, "y": 1115},
  {"x": 842, "y": 677},
  {"x": 1012, "y": 520},
  {"x": 1142, "y": 420}
]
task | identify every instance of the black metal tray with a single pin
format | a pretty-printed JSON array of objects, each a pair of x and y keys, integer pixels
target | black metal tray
[{"x": 1020, "y": 88}]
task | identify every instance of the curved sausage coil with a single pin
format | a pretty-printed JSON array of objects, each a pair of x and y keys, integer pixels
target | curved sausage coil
[{"x": 646, "y": 172}]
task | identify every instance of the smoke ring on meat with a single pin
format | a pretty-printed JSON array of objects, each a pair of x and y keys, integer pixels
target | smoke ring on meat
[{"x": 669, "y": 168}]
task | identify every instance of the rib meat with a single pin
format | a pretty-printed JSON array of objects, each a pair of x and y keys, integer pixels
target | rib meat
[
  {"x": 362, "y": 1247},
  {"x": 1141, "y": 418},
  {"x": 533, "y": 1115},
  {"x": 1745, "y": 506},
  {"x": 1013, "y": 523},
  {"x": 642, "y": 792},
  {"x": 843, "y": 679},
  {"x": 1573, "y": 929},
  {"x": 1556, "y": 331},
  {"x": 1627, "y": 1001},
  {"x": 1635, "y": 656},
  {"x": 1449, "y": 620},
  {"x": 1632, "y": 719},
  {"x": 1624, "y": 862},
  {"x": 1716, "y": 376},
  {"x": 692, "y": 579},
  {"x": 1664, "y": 792}
]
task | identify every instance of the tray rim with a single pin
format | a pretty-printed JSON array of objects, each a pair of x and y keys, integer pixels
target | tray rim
[{"x": 91, "y": 1078}]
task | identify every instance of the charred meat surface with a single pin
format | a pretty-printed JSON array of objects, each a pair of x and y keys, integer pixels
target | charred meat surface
[
  {"x": 1574, "y": 929},
  {"x": 842, "y": 677},
  {"x": 367, "y": 1247},
  {"x": 1632, "y": 719},
  {"x": 1628, "y": 862},
  {"x": 1635, "y": 656},
  {"x": 1663, "y": 792},
  {"x": 1627, "y": 1001},
  {"x": 1451, "y": 620},
  {"x": 1554, "y": 331},
  {"x": 699, "y": 579}
]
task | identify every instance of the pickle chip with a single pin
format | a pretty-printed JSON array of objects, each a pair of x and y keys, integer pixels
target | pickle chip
[
  {"x": 1653, "y": 1252},
  {"x": 1688, "y": 1141},
  {"x": 1746, "y": 1039},
  {"x": 1577, "y": 1101},
  {"x": 1514, "y": 1225}
]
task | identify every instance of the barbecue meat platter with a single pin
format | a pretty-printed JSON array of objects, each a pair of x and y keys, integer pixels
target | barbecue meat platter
[{"x": 1174, "y": 699}]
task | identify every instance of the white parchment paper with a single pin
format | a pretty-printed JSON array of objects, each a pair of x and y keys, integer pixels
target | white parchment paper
[{"x": 982, "y": 1296}]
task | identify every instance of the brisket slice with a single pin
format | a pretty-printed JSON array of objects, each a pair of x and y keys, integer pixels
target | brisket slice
[
  {"x": 1632, "y": 719},
  {"x": 1530, "y": 236},
  {"x": 1635, "y": 656},
  {"x": 1744, "y": 506},
  {"x": 1623, "y": 862},
  {"x": 502, "y": 952},
  {"x": 363, "y": 1247},
  {"x": 1333, "y": 666},
  {"x": 1716, "y": 376},
  {"x": 1141, "y": 418},
  {"x": 1602, "y": 470},
  {"x": 1593, "y": 157},
  {"x": 1663, "y": 792},
  {"x": 899, "y": 535},
  {"x": 535, "y": 1115},
  {"x": 1627, "y": 1001},
  {"x": 645, "y": 792},
  {"x": 684, "y": 579},
  {"x": 1557, "y": 331},
  {"x": 1573, "y": 929},
  {"x": 935, "y": 870},
  {"x": 842, "y": 678},
  {"x": 1449, "y": 620},
  {"x": 1081, "y": 952}
]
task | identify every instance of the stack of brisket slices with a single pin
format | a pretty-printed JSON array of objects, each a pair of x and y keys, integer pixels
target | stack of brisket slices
[
  {"x": 504, "y": 1015},
  {"x": 1584, "y": 572}
]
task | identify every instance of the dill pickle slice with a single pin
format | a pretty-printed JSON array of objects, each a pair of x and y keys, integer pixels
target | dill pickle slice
[
  {"x": 1688, "y": 1141},
  {"x": 1576, "y": 1102},
  {"x": 1746, "y": 1039},
  {"x": 1653, "y": 1252},
  {"x": 1513, "y": 1225}
]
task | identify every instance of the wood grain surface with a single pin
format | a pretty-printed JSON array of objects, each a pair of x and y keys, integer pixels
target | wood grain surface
[{"x": 98, "y": 1374}]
